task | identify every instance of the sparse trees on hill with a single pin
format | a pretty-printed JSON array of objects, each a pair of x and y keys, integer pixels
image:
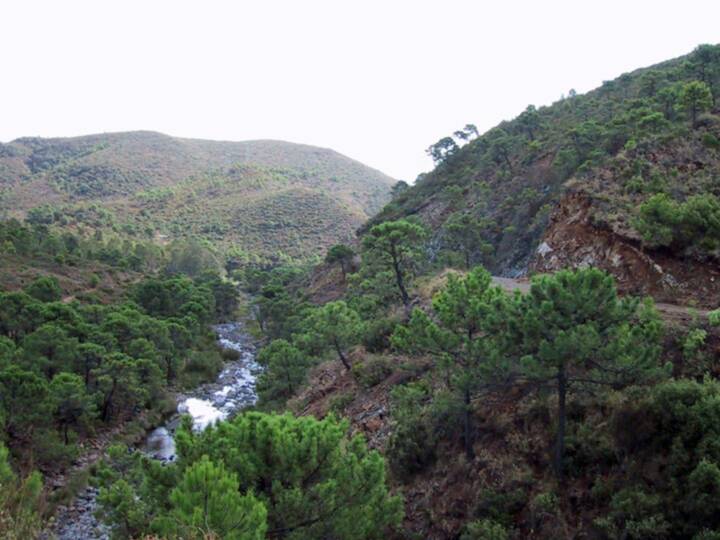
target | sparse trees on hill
[
  {"x": 529, "y": 120},
  {"x": 442, "y": 150},
  {"x": 499, "y": 149},
  {"x": 467, "y": 133},
  {"x": 649, "y": 83},
  {"x": 705, "y": 64},
  {"x": 398, "y": 188}
]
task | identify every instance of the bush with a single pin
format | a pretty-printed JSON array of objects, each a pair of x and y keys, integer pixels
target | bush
[
  {"x": 340, "y": 402},
  {"x": 680, "y": 433},
  {"x": 693, "y": 345},
  {"x": 411, "y": 447},
  {"x": 45, "y": 289},
  {"x": 501, "y": 506},
  {"x": 372, "y": 371},
  {"x": 634, "y": 515},
  {"x": 711, "y": 141},
  {"x": 376, "y": 337},
  {"x": 484, "y": 529},
  {"x": 691, "y": 225}
]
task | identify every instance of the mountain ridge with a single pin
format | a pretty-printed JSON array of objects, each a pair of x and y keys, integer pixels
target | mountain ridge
[{"x": 148, "y": 180}]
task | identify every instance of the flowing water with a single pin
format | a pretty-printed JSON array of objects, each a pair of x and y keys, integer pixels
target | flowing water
[{"x": 233, "y": 390}]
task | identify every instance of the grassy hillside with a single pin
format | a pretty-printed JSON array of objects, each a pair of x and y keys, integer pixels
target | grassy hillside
[
  {"x": 256, "y": 197},
  {"x": 618, "y": 146}
]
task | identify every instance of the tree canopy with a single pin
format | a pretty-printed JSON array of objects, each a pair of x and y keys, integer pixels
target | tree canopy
[{"x": 257, "y": 475}]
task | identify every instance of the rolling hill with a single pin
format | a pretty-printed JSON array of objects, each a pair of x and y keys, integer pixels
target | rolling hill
[{"x": 255, "y": 199}]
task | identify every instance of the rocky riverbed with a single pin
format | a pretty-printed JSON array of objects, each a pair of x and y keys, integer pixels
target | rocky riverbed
[{"x": 233, "y": 390}]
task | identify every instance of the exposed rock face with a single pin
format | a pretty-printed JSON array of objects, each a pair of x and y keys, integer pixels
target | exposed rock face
[{"x": 573, "y": 240}]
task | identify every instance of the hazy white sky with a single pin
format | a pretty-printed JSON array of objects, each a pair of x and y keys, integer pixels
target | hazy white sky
[{"x": 376, "y": 80}]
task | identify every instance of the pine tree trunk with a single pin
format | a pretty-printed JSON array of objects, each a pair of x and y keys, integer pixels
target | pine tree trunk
[
  {"x": 468, "y": 427},
  {"x": 342, "y": 356},
  {"x": 400, "y": 281},
  {"x": 343, "y": 269},
  {"x": 562, "y": 417}
]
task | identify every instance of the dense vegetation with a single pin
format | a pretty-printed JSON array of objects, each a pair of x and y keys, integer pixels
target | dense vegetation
[
  {"x": 644, "y": 148},
  {"x": 68, "y": 368},
  {"x": 256, "y": 476},
  {"x": 93, "y": 350}
]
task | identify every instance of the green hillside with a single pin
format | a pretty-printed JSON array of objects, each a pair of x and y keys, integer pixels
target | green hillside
[
  {"x": 239, "y": 195},
  {"x": 563, "y": 406},
  {"x": 635, "y": 149}
]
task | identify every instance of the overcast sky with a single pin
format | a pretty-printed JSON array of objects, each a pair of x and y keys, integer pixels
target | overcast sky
[{"x": 376, "y": 80}]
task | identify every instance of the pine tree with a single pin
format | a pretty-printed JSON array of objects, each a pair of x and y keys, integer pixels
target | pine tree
[
  {"x": 695, "y": 97},
  {"x": 571, "y": 333},
  {"x": 342, "y": 255},
  {"x": 207, "y": 503},
  {"x": 285, "y": 370},
  {"x": 455, "y": 337},
  {"x": 395, "y": 246},
  {"x": 70, "y": 403},
  {"x": 466, "y": 234},
  {"x": 336, "y": 327},
  {"x": 319, "y": 482}
]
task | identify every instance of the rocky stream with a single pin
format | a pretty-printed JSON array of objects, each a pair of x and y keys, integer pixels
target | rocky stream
[{"x": 233, "y": 390}]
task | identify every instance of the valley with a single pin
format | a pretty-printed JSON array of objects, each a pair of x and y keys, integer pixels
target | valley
[
  {"x": 253, "y": 340},
  {"x": 212, "y": 402}
]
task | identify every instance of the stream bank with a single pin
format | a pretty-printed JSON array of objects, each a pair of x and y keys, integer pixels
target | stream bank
[{"x": 232, "y": 391}]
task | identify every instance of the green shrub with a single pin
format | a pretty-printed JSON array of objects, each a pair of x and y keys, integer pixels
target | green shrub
[
  {"x": 411, "y": 447},
  {"x": 484, "y": 529},
  {"x": 500, "y": 506},
  {"x": 678, "y": 431},
  {"x": 45, "y": 289},
  {"x": 372, "y": 371},
  {"x": 376, "y": 334},
  {"x": 711, "y": 141},
  {"x": 339, "y": 403},
  {"x": 691, "y": 225},
  {"x": 693, "y": 345},
  {"x": 634, "y": 515}
]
